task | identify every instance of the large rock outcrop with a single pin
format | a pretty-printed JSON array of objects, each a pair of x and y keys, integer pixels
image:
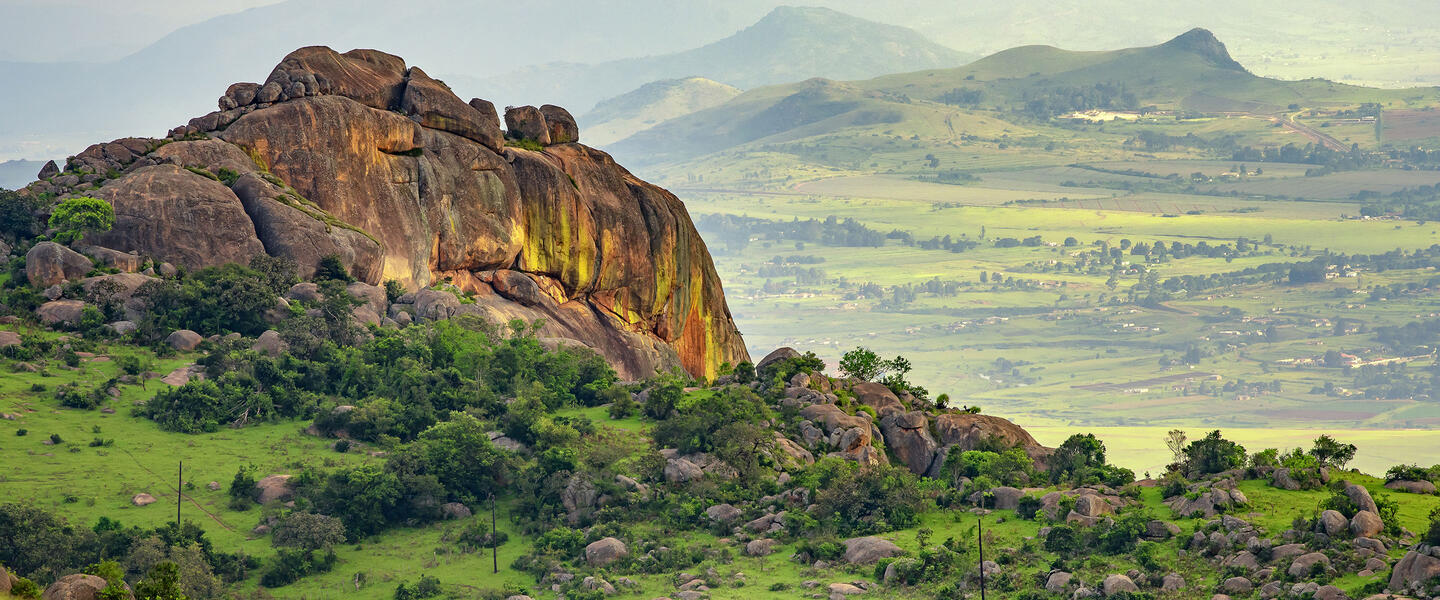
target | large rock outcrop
[{"x": 357, "y": 154}]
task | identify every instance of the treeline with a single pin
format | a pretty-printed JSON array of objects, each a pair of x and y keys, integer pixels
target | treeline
[
  {"x": 1050, "y": 102},
  {"x": 1311, "y": 154},
  {"x": 736, "y": 232}
]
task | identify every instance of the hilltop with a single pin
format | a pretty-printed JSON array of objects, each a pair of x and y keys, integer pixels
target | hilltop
[{"x": 789, "y": 43}]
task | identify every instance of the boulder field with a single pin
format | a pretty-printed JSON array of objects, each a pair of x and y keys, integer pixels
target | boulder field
[{"x": 358, "y": 155}]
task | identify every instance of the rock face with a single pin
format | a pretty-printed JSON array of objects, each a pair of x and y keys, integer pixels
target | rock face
[{"x": 357, "y": 154}]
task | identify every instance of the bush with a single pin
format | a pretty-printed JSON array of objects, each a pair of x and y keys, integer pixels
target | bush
[
  {"x": 663, "y": 397},
  {"x": 309, "y": 531},
  {"x": 871, "y": 500},
  {"x": 333, "y": 268},
  {"x": 427, "y": 587},
  {"x": 289, "y": 566},
  {"x": 24, "y": 588},
  {"x": 1432, "y": 535},
  {"x": 70, "y": 395}
]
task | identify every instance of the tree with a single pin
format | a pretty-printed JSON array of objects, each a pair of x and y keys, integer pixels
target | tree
[
  {"x": 1214, "y": 454},
  {"x": 114, "y": 577},
  {"x": 1332, "y": 453},
  {"x": 76, "y": 217},
  {"x": 1076, "y": 457},
  {"x": 862, "y": 363},
  {"x": 1175, "y": 441},
  {"x": 161, "y": 583},
  {"x": 459, "y": 454},
  {"x": 18, "y": 216},
  {"x": 309, "y": 531}
]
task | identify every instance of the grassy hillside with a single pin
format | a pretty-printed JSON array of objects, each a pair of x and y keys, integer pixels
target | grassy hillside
[
  {"x": 1019, "y": 89},
  {"x": 83, "y": 483},
  {"x": 649, "y": 105}
]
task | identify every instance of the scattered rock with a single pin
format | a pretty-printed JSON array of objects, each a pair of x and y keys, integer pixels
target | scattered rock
[
  {"x": 1172, "y": 582},
  {"x": 142, "y": 499},
  {"x": 605, "y": 551},
  {"x": 1305, "y": 563},
  {"x": 49, "y": 263},
  {"x": 1414, "y": 568},
  {"x": 273, "y": 488},
  {"x": 760, "y": 547},
  {"x": 1237, "y": 586},
  {"x": 1413, "y": 487},
  {"x": 1058, "y": 582},
  {"x": 270, "y": 343},
  {"x": 57, "y": 312},
  {"x": 722, "y": 513},
  {"x": 560, "y": 125},
  {"x": 76, "y": 587},
  {"x": 1332, "y": 523},
  {"x": 866, "y": 550},
  {"x": 1117, "y": 583},
  {"x": 184, "y": 340},
  {"x": 454, "y": 510},
  {"x": 1366, "y": 524}
]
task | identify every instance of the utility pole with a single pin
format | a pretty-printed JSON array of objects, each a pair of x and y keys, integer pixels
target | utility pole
[
  {"x": 980, "y": 536},
  {"x": 494, "y": 538},
  {"x": 179, "y": 492}
]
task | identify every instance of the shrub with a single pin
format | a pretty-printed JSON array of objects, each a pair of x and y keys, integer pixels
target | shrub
[
  {"x": 427, "y": 587},
  {"x": 1028, "y": 507},
  {"x": 871, "y": 500},
  {"x": 1412, "y": 473},
  {"x": 1432, "y": 535},
  {"x": 333, "y": 268},
  {"x": 70, "y": 395},
  {"x": 309, "y": 531},
  {"x": 662, "y": 398},
  {"x": 24, "y": 588},
  {"x": 289, "y": 566}
]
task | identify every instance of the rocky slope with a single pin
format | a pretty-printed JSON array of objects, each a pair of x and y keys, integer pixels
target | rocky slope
[{"x": 355, "y": 154}]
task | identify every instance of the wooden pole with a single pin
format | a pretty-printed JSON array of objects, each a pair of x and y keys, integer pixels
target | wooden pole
[
  {"x": 494, "y": 538},
  {"x": 179, "y": 493},
  {"x": 980, "y": 535}
]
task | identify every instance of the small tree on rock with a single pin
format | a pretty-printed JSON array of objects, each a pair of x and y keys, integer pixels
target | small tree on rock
[{"x": 75, "y": 217}]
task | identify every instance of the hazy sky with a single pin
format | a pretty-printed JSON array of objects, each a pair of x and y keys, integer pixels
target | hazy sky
[{"x": 101, "y": 30}]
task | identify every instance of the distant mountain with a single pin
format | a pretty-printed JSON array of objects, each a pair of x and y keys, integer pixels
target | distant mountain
[
  {"x": 1191, "y": 72},
  {"x": 14, "y": 174},
  {"x": 58, "y": 108},
  {"x": 789, "y": 44},
  {"x": 649, "y": 105}
]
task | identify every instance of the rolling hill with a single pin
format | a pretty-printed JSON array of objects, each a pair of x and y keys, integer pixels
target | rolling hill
[
  {"x": 651, "y": 104},
  {"x": 789, "y": 44},
  {"x": 1028, "y": 84}
]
